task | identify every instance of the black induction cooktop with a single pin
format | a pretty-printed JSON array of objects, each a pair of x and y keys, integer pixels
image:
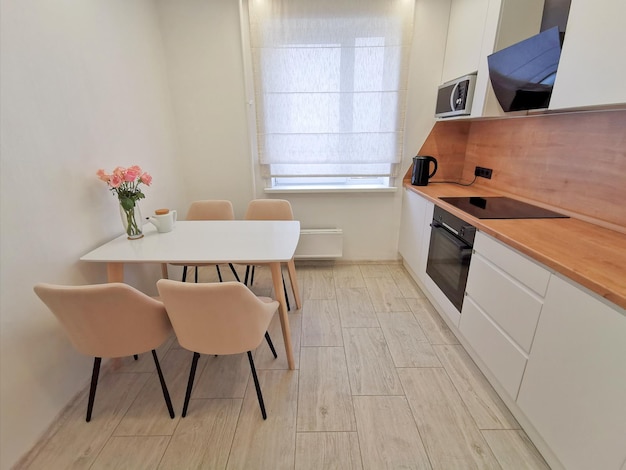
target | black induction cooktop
[{"x": 500, "y": 208}]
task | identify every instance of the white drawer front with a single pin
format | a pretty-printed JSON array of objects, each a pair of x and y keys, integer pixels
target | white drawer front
[
  {"x": 508, "y": 303},
  {"x": 505, "y": 361},
  {"x": 516, "y": 264}
]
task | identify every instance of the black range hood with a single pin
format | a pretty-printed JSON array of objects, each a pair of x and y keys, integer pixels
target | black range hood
[{"x": 522, "y": 75}]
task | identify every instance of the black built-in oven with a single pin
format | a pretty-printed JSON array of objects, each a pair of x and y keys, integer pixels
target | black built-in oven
[{"x": 449, "y": 255}]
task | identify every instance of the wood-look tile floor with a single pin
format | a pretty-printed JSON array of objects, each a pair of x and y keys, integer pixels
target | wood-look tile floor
[{"x": 381, "y": 383}]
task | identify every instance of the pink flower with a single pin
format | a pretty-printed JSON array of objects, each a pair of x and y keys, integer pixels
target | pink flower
[
  {"x": 125, "y": 182},
  {"x": 103, "y": 176},
  {"x": 131, "y": 174},
  {"x": 115, "y": 181}
]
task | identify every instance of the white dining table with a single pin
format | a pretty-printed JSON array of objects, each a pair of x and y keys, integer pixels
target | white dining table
[{"x": 213, "y": 242}]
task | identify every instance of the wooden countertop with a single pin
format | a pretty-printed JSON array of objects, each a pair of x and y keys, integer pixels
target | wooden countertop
[{"x": 593, "y": 256}]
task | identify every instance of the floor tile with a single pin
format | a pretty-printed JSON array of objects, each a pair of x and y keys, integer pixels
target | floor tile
[
  {"x": 328, "y": 451},
  {"x": 370, "y": 366},
  {"x": 432, "y": 324},
  {"x": 406, "y": 340},
  {"x": 514, "y": 450},
  {"x": 483, "y": 403},
  {"x": 76, "y": 443},
  {"x": 355, "y": 308},
  {"x": 348, "y": 276},
  {"x": 451, "y": 437},
  {"x": 324, "y": 399},
  {"x": 388, "y": 435},
  {"x": 319, "y": 284},
  {"x": 321, "y": 324},
  {"x": 263, "y": 444},
  {"x": 385, "y": 295},
  {"x": 136, "y": 452},
  {"x": 204, "y": 437}
]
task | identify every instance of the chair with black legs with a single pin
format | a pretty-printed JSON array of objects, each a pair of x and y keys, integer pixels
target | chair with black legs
[
  {"x": 267, "y": 209},
  {"x": 212, "y": 209},
  {"x": 109, "y": 321},
  {"x": 218, "y": 319}
]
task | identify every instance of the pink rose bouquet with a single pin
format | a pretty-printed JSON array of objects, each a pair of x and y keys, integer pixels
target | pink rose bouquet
[{"x": 124, "y": 183}]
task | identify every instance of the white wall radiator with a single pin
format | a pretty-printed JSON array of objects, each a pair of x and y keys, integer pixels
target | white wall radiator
[{"x": 326, "y": 243}]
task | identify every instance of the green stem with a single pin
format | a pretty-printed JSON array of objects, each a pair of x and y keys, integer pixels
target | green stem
[{"x": 132, "y": 227}]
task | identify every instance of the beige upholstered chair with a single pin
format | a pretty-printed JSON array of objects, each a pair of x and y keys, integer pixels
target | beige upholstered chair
[
  {"x": 268, "y": 209},
  {"x": 210, "y": 210},
  {"x": 109, "y": 320},
  {"x": 217, "y": 318}
]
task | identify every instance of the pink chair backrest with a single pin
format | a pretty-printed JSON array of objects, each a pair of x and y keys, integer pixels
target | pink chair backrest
[
  {"x": 107, "y": 320},
  {"x": 211, "y": 210},
  {"x": 269, "y": 209},
  {"x": 216, "y": 318}
]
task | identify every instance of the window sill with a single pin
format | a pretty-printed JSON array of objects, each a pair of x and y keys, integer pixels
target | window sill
[{"x": 303, "y": 189}]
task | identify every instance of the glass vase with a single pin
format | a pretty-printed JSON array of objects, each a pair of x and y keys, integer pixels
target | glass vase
[{"x": 132, "y": 221}]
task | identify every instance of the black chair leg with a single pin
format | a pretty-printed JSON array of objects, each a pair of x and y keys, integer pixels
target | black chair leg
[
  {"x": 195, "y": 269},
  {"x": 270, "y": 344},
  {"x": 252, "y": 276},
  {"x": 232, "y": 268},
  {"x": 219, "y": 273},
  {"x": 184, "y": 273},
  {"x": 245, "y": 279},
  {"x": 94, "y": 385},
  {"x": 285, "y": 289},
  {"x": 259, "y": 395},
  {"x": 135, "y": 356},
  {"x": 192, "y": 374},
  {"x": 166, "y": 394}
]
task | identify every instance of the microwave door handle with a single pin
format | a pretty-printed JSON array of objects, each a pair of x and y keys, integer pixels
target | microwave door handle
[{"x": 452, "y": 95}]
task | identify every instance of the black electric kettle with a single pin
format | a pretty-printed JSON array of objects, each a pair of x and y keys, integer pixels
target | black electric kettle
[{"x": 421, "y": 169}]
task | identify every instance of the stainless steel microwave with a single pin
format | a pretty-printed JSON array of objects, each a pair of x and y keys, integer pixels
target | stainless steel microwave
[{"x": 454, "y": 98}]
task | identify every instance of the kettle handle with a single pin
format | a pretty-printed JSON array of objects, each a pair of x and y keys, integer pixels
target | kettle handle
[{"x": 434, "y": 160}]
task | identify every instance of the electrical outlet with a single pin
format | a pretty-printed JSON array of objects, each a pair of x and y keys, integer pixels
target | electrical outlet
[{"x": 483, "y": 172}]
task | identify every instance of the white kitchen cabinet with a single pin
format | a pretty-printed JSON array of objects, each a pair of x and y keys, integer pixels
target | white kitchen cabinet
[
  {"x": 574, "y": 387},
  {"x": 465, "y": 36},
  {"x": 417, "y": 213},
  {"x": 593, "y": 63},
  {"x": 504, "y": 298},
  {"x": 511, "y": 306},
  {"x": 507, "y": 22}
]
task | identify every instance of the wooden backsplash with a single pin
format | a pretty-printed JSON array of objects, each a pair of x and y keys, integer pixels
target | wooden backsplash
[{"x": 574, "y": 161}]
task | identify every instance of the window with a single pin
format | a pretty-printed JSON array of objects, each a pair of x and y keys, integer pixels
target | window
[{"x": 330, "y": 88}]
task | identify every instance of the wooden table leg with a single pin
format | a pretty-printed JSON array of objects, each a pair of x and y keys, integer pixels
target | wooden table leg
[
  {"x": 277, "y": 280},
  {"x": 115, "y": 273},
  {"x": 291, "y": 267},
  {"x": 164, "y": 271}
]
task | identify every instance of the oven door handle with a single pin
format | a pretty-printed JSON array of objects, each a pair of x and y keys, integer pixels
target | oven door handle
[{"x": 462, "y": 246}]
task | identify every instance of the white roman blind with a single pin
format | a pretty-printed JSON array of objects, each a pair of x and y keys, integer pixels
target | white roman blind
[{"x": 330, "y": 81}]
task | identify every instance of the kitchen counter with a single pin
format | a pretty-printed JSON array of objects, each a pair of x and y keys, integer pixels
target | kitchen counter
[{"x": 593, "y": 256}]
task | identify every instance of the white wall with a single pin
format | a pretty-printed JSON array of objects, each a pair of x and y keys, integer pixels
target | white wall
[
  {"x": 203, "y": 52},
  {"x": 82, "y": 87}
]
